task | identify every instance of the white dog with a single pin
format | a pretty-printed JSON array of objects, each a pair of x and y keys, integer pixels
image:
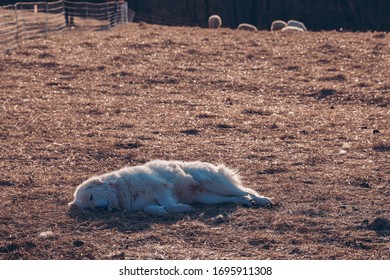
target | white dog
[{"x": 161, "y": 187}]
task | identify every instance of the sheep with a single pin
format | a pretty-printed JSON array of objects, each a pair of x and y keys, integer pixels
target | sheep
[
  {"x": 292, "y": 29},
  {"x": 278, "y": 25},
  {"x": 215, "y": 21},
  {"x": 247, "y": 27},
  {"x": 296, "y": 23}
]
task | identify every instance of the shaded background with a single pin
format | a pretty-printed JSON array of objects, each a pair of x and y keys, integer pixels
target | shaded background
[{"x": 355, "y": 15}]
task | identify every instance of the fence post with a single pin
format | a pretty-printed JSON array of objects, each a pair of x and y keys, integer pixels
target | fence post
[
  {"x": 47, "y": 19},
  {"x": 23, "y": 20},
  {"x": 63, "y": 14},
  {"x": 17, "y": 26},
  {"x": 107, "y": 13},
  {"x": 125, "y": 11}
]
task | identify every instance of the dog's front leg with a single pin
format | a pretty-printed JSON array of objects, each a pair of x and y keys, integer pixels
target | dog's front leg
[
  {"x": 156, "y": 210},
  {"x": 163, "y": 195},
  {"x": 180, "y": 208}
]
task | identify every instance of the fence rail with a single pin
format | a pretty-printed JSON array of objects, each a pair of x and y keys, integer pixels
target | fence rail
[{"x": 29, "y": 20}]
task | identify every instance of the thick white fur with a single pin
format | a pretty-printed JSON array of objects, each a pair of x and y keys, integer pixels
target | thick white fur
[
  {"x": 160, "y": 187},
  {"x": 297, "y": 24}
]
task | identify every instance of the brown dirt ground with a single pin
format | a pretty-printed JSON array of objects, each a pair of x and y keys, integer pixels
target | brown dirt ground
[{"x": 303, "y": 117}]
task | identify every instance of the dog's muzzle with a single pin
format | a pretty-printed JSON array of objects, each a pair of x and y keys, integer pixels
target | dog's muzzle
[{"x": 103, "y": 204}]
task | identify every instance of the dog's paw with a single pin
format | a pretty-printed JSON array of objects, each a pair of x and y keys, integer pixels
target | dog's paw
[
  {"x": 247, "y": 201},
  {"x": 263, "y": 201}
]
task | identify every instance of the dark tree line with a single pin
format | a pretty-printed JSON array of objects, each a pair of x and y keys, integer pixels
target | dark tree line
[{"x": 356, "y": 15}]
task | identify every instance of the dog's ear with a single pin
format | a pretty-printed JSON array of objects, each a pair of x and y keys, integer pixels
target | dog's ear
[
  {"x": 112, "y": 183},
  {"x": 93, "y": 183},
  {"x": 113, "y": 186},
  {"x": 121, "y": 192}
]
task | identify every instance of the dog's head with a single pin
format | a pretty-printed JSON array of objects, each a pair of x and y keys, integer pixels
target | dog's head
[{"x": 96, "y": 193}]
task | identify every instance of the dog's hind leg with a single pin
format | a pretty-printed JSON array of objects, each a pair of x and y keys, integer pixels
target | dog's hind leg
[
  {"x": 207, "y": 197},
  {"x": 230, "y": 186},
  {"x": 229, "y": 190}
]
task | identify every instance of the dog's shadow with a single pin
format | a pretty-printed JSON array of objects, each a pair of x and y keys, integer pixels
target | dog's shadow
[{"x": 128, "y": 222}]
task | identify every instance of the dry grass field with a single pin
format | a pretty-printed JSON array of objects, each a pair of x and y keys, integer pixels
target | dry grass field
[{"x": 303, "y": 117}]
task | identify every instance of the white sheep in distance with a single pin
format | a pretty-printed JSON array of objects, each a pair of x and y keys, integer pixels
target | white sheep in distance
[
  {"x": 292, "y": 29},
  {"x": 247, "y": 27},
  {"x": 278, "y": 25},
  {"x": 215, "y": 21},
  {"x": 296, "y": 23}
]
